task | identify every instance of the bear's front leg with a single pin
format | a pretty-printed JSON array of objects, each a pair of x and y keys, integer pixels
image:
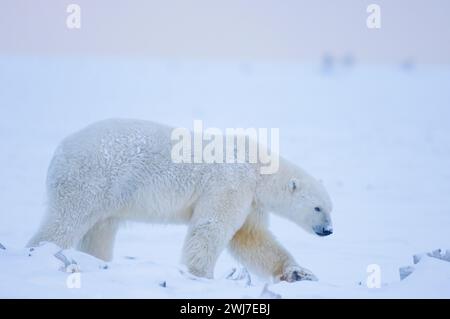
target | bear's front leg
[
  {"x": 257, "y": 249},
  {"x": 212, "y": 226},
  {"x": 202, "y": 247}
]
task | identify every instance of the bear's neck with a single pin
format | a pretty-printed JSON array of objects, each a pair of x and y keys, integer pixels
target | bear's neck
[{"x": 270, "y": 188}]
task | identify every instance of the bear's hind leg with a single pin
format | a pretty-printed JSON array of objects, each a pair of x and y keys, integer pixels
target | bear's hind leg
[
  {"x": 58, "y": 231},
  {"x": 99, "y": 240},
  {"x": 64, "y": 228}
]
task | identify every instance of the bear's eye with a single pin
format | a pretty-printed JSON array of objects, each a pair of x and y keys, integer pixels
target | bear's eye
[{"x": 317, "y": 209}]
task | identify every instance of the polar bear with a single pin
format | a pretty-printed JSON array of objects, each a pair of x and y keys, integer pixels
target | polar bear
[{"x": 121, "y": 170}]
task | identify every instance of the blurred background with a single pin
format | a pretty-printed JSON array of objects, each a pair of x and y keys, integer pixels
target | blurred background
[
  {"x": 367, "y": 110},
  {"x": 293, "y": 30}
]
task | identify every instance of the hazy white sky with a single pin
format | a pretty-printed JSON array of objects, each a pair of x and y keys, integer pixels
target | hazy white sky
[{"x": 242, "y": 29}]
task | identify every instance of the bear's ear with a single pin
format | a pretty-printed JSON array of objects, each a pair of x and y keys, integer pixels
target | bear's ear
[{"x": 293, "y": 185}]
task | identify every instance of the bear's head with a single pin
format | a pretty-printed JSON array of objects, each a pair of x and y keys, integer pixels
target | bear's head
[
  {"x": 294, "y": 194},
  {"x": 310, "y": 205}
]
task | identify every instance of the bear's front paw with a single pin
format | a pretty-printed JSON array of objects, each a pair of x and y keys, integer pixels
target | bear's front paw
[{"x": 297, "y": 273}]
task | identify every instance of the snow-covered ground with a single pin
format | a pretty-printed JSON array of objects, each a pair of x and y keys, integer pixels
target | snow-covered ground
[{"x": 379, "y": 137}]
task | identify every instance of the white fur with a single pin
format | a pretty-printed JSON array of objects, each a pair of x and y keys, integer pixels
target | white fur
[{"x": 118, "y": 170}]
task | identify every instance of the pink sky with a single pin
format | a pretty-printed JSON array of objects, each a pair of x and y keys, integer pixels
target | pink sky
[{"x": 231, "y": 29}]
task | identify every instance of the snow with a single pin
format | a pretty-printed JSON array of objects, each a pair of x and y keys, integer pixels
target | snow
[{"x": 377, "y": 135}]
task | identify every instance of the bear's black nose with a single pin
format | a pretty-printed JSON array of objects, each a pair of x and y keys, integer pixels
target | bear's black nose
[{"x": 324, "y": 232}]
